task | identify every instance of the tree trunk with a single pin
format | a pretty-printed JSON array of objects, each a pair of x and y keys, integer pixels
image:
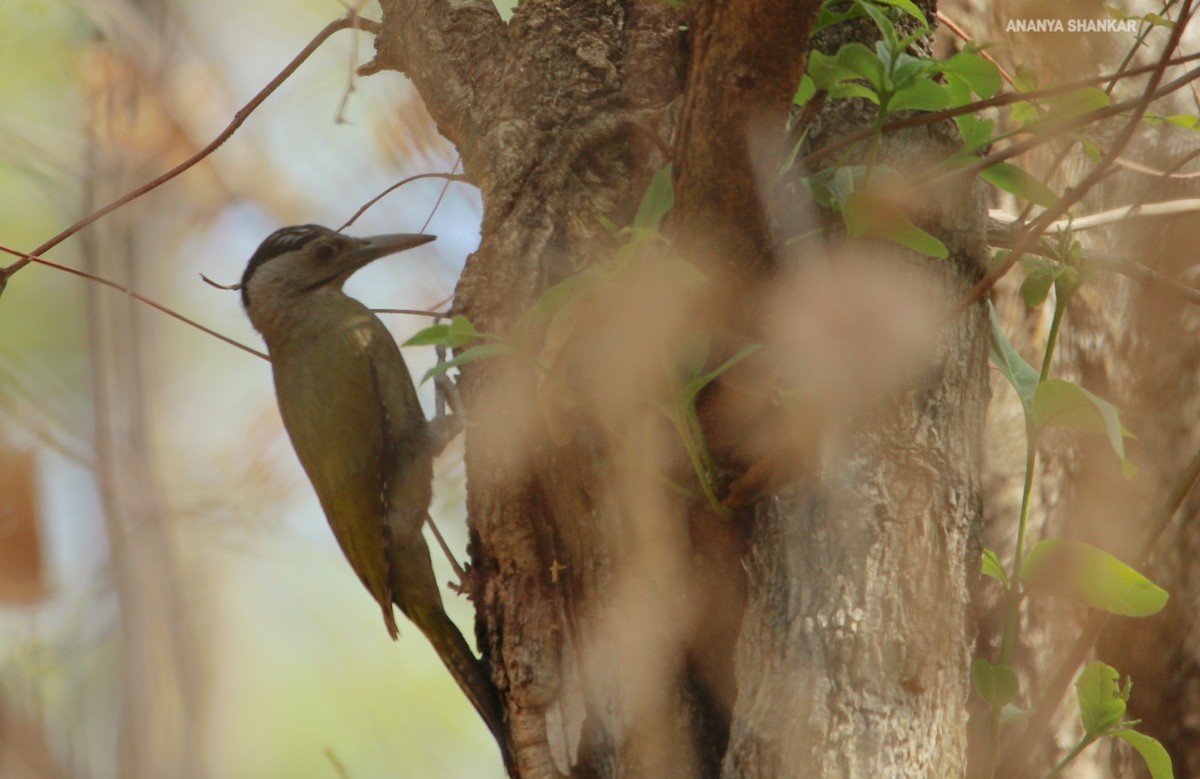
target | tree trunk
[{"x": 816, "y": 625}]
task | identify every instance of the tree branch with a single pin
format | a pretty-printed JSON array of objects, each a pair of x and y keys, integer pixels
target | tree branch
[
  {"x": 734, "y": 87},
  {"x": 346, "y": 22}
]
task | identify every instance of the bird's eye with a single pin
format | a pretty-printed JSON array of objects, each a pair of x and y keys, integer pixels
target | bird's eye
[{"x": 325, "y": 251}]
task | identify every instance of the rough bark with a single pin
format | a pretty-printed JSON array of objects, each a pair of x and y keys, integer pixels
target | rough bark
[{"x": 609, "y": 606}]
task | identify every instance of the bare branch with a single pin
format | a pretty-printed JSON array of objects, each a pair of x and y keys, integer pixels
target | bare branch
[
  {"x": 346, "y": 22},
  {"x": 448, "y": 176},
  {"x": 1004, "y": 230},
  {"x": 1103, "y": 168},
  {"x": 27, "y": 258}
]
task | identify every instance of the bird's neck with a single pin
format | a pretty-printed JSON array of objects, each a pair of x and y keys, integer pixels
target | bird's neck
[{"x": 305, "y": 316}]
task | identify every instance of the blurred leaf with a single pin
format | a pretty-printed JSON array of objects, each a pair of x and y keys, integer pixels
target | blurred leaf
[
  {"x": 996, "y": 684},
  {"x": 458, "y": 332},
  {"x": 1189, "y": 121},
  {"x": 1036, "y": 287},
  {"x": 847, "y": 89},
  {"x": 1026, "y": 79},
  {"x": 1068, "y": 106},
  {"x": 805, "y": 91},
  {"x": 1009, "y": 361},
  {"x": 866, "y": 215},
  {"x": 1089, "y": 575},
  {"x": 658, "y": 200},
  {"x": 976, "y": 133},
  {"x": 1023, "y": 113},
  {"x": 470, "y": 355},
  {"x": 1100, "y": 703},
  {"x": 1011, "y": 713},
  {"x": 991, "y": 566},
  {"x": 693, "y": 387},
  {"x": 1015, "y": 181},
  {"x": 1152, "y": 752},
  {"x": 1042, "y": 274},
  {"x": 1060, "y": 403}
]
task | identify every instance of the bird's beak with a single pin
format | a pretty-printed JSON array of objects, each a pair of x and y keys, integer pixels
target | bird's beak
[{"x": 371, "y": 249}]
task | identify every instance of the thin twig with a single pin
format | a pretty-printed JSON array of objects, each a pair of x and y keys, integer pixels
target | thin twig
[
  {"x": 343, "y": 23},
  {"x": 412, "y": 311},
  {"x": 1103, "y": 167},
  {"x": 451, "y": 176},
  {"x": 340, "y": 116},
  {"x": 442, "y": 194},
  {"x": 27, "y": 258},
  {"x": 1004, "y": 231}
]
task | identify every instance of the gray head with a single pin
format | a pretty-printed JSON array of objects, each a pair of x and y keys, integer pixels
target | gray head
[{"x": 297, "y": 260}]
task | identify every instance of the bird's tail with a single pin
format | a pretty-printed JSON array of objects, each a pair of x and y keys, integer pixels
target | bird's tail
[{"x": 467, "y": 670}]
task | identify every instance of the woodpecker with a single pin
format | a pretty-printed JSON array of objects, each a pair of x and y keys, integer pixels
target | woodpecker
[{"x": 351, "y": 411}]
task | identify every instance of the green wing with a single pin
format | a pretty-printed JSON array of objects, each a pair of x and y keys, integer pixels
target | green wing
[{"x": 345, "y": 411}]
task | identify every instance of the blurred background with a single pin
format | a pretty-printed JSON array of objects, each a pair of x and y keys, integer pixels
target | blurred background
[{"x": 171, "y": 600}]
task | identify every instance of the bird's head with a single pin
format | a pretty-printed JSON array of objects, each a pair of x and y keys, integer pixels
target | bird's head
[{"x": 295, "y": 261}]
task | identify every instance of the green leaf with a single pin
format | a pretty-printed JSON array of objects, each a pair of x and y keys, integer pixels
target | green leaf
[
  {"x": 976, "y": 133},
  {"x": 1089, "y": 575},
  {"x": 470, "y": 355},
  {"x": 825, "y": 71},
  {"x": 1152, "y": 752},
  {"x": 828, "y": 18},
  {"x": 658, "y": 200},
  {"x": 996, "y": 684},
  {"x": 1012, "y": 179},
  {"x": 978, "y": 73},
  {"x": 991, "y": 566},
  {"x": 866, "y": 215},
  {"x": 847, "y": 89},
  {"x": 1043, "y": 274},
  {"x": 1036, "y": 287},
  {"x": 1060, "y": 403},
  {"x": 920, "y": 96},
  {"x": 456, "y": 333},
  {"x": 1069, "y": 106},
  {"x": 805, "y": 91},
  {"x": 864, "y": 63},
  {"x": 1188, "y": 121},
  {"x": 1023, "y": 113},
  {"x": 434, "y": 335},
  {"x": 1100, "y": 703},
  {"x": 1010, "y": 363},
  {"x": 1158, "y": 20},
  {"x": 908, "y": 69},
  {"x": 909, "y": 8},
  {"x": 1026, "y": 79},
  {"x": 881, "y": 21},
  {"x": 693, "y": 387}
]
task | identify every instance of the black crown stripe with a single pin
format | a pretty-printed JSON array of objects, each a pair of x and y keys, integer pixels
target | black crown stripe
[{"x": 282, "y": 241}]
